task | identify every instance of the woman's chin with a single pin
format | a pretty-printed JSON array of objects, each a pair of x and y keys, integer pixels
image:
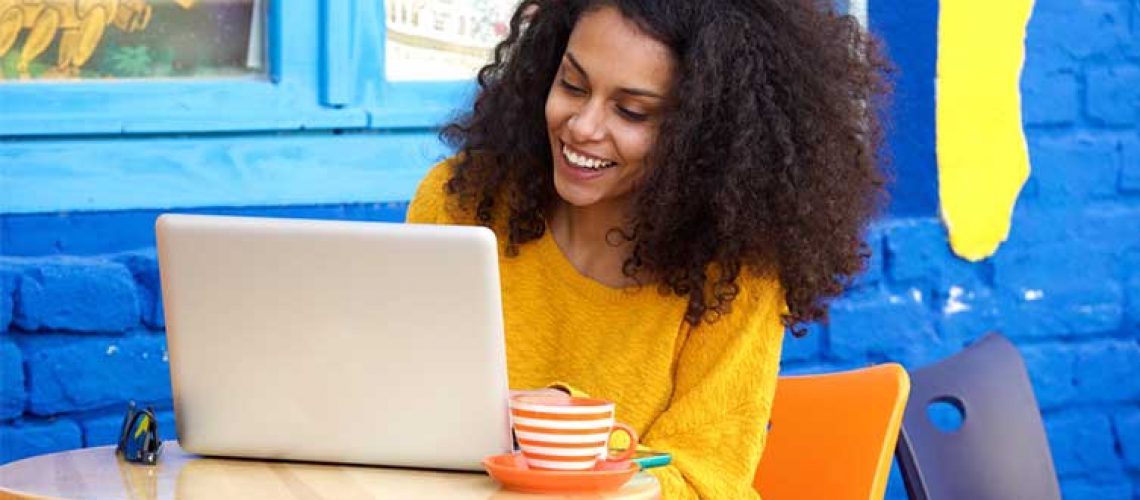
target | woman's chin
[{"x": 576, "y": 197}]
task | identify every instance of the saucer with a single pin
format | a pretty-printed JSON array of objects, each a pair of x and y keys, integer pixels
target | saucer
[{"x": 511, "y": 472}]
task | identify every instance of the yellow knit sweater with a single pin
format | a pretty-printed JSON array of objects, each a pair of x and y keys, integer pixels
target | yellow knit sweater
[{"x": 703, "y": 394}]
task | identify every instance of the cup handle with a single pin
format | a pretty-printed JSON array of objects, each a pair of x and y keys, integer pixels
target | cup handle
[{"x": 628, "y": 453}]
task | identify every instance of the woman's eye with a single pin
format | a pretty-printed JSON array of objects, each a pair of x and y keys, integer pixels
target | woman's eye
[
  {"x": 632, "y": 115},
  {"x": 573, "y": 89}
]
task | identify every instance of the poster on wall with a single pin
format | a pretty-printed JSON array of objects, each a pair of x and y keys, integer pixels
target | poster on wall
[
  {"x": 128, "y": 39},
  {"x": 435, "y": 40}
]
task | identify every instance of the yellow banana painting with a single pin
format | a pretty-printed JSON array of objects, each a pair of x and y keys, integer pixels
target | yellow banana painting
[{"x": 983, "y": 160}]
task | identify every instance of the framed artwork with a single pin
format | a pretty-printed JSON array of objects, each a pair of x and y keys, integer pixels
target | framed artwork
[{"x": 75, "y": 67}]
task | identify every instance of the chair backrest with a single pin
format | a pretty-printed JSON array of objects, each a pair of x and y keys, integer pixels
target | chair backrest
[
  {"x": 999, "y": 451},
  {"x": 832, "y": 435}
]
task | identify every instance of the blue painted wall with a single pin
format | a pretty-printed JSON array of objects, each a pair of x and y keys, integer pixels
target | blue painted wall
[
  {"x": 911, "y": 32},
  {"x": 80, "y": 315}
]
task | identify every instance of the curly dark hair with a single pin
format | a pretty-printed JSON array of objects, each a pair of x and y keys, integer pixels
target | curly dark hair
[{"x": 766, "y": 159}]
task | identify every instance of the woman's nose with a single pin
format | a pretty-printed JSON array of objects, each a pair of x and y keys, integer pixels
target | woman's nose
[{"x": 588, "y": 122}]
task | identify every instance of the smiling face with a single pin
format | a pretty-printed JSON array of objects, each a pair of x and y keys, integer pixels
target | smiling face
[{"x": 604, "y": 108}]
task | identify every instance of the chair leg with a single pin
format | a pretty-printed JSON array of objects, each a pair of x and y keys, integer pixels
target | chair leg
[{"x": 908, "y": 467}]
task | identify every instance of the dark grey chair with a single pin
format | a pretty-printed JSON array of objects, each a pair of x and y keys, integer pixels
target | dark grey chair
[{"x": 998, "y": 452}]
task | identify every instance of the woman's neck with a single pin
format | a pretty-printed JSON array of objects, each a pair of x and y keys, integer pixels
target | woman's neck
[{"x": 584, "y": 236}]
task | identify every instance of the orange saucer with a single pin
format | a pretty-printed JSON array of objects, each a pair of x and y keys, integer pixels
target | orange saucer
[{"x": 511, "y": 472}]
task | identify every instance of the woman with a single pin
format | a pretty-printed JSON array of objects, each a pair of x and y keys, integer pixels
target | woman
[{"x": 673, "y": 184}]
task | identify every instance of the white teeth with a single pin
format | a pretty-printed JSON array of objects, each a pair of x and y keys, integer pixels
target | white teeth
[{"x": 581, "y": 161}]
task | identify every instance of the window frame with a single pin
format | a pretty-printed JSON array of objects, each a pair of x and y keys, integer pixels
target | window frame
[
  {"x": 355, "y": 73},
  {"x": 287, "y": 98}
]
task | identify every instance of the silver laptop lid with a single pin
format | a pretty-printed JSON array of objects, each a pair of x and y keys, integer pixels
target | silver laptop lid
[{"x": 356, "y": 342}]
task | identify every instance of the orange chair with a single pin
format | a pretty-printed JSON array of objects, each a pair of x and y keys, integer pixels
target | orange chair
[{"x": 833, "y": 435}]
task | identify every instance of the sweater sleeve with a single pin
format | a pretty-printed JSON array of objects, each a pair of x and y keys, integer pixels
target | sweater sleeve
[{"x": 723, "y": 388}]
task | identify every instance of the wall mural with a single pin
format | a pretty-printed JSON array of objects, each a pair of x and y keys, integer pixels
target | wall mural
[
  {"x": 983, "y": 160},
  {"x": 90, "y": 39}
]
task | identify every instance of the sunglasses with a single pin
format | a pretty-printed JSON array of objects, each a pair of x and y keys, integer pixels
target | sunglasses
[{"x": 138, "y": 439}]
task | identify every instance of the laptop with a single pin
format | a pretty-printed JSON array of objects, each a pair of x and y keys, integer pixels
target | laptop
[{"x": 332, "y": 341}]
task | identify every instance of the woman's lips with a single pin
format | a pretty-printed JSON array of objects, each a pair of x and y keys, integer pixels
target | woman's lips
[{"x": 578, "y": 173}]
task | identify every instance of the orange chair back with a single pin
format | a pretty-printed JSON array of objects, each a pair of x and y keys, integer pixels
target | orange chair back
[{"x": 833, "y": 435}]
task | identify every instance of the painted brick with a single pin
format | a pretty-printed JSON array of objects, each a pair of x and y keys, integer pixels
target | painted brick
[
  {"x": 876, "y": 240},
  {"x": 1135, "y": 28},
  {"x": 1113, "y": 95},
  {"x": 911, "y": 41},
  {"x": 13, "y": 396},
  {"x": 1097, "y": 489},
  {"x": 25, "y": 439},
  {"x": 917, "y": 250},
  {"x": 1132, "y": 305},
  {"x": 1130, "y": 165},
  {"x": 1038, "y": 224},
  {"x": 1115, "y": 227},
  {"x": 143, "y": 265},
  {"x": 68, "y": 373},
  {"x": 1108, "y": 371},
  {"x": 80, "y": 233},
  {"x": 1069, "y": 169},
  {"x": 1052, "y": 371},
  {"x": 1128, "y": 433},
  {"x": 1059, "y": 290},
  {"x": 882, "y": 326},
  {"x": 78, "y": 295},
  {"x": 965, "y": 314},
  {"x": 1040, "y": 313},
  {"x": 1061, "y": 30},
  {"x": 1053, "y": 267},
  {"x": 804, "y": 348},
  {"x": 1052, "y": 96},
  {"x": 1082, "y": 443},
  {"x": 104, "y": 430},
  {"x": 8, "y": 278},
  {"x": 914, "y": 248},
  {"x": 95, "y": 233},
  {"x": 817, "y": 367}
]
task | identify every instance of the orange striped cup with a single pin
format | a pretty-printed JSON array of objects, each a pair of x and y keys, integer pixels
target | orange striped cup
[{"x": 566, "y": 433}]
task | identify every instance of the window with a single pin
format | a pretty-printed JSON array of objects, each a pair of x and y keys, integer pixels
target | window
[{"x": 442, "y": 39}]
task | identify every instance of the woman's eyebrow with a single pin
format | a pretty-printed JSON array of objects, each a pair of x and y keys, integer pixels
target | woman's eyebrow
[
  {"x": 631, "y": 91},
  {"x": 577, "y": 66}
]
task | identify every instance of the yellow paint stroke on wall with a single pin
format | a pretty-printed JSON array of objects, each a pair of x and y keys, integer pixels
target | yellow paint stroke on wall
[{"x": 983, "y": 160}]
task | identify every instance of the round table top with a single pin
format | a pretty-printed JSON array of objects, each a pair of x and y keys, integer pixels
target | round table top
[{"x": 100, "y": 473}]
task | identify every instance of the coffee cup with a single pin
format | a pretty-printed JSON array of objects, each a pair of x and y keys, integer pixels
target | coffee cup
[{"x": 567, "y": 434}]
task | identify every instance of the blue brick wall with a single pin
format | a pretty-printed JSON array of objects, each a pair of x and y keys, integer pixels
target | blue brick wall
[
  {"x": 1065, "y": 287},
  {"x": 81, "y": 322},
  {"x": 81, "y": 327},
  {"x": 76, "y": 351}
]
